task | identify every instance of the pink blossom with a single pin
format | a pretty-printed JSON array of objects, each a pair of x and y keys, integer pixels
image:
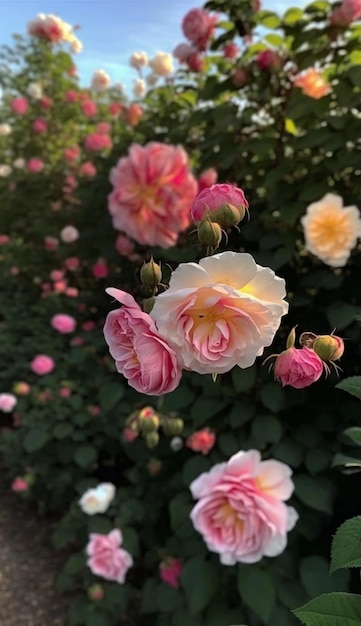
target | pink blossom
[
  {"x": 124, "y": 245},
  {"x": 269, "y": 61},
  {"x": 201, "y": 441},
  {"x": 72, "y": 153},
  {"x": 63, "y": 323},
  {"x": 71, "y": 95},
  {"x": 115, "y": 108},
  {"x": 56, "y": 275},
  {"x": 230, "y": 50},
  {"x": 7, "y": 402},
  {"x": 170, "y": 569},
  {"x": 45, "y": 102},
  {"x": 207, "y": 178},
  {"x": 95, "y": 410},
  {"x": 198, "y": 27},
  {"x": 140, "y": 353},
  {"x": 87, "y": 169},
  {"x": 298, "y": 367},
  {"x": 348, "y": 12},
  {"x": 77, "y": 341},
  {"x": 22, "y": 389},
  {"x": 19, "y": 106},
  {"x": 153, "y": 188},
  {"x": 19, "y": 485},
  {"x": 129, "y": 435},
  {"x": 64, "y": 392},
  {"x": 14, "y": 270},
  {"x": 35, "y": 165},
  {"x": 89, "y": 108},
  {"x": 42, "y": 364},
  {"x": 196, "y": 62},
  {"x": 40, "y": 126},
  {"x": 100, "y": 269},
  {"x": 60, "y": 286},
  {"x": 106, "y": 558},
  {"x": 133, "y": 114},
  {"x": 239, "y": 77},
  {"x": 69, "y": 234},
  {"x": 72, "y": 292},
  {"x": 72, "y": 263},
  {"x": 88, "y": 325},
  {"x": 241, "y": 512},
  {"x": 215, "y": 197},
  {"x": 96, "y": 593},
  {"x": 51, "y": 243},
  {"x": 103, "y": 128},
  {"x": 4, "y": 239},
  {"x": 183, "y": 51},
  {"x": 97, "y": 142}
]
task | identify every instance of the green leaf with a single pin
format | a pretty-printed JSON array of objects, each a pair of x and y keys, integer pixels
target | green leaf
[
  {"x": 346, "y": 545},
  {"x": 354, "y": 74},
  {"x": 316, "y": 579},
  {"x": 62, "y": 431},
  {"x": 331, "y": 609},
  {"x": 341, "y": 314},
  {"x": 318, "y": 460},
  {"x": 268, "y": 19},
  {"x": 86, "y": 456},
  {"x": 149, "y": 601},
  {"x": 228, "y": 444},
  {"x": 256, "y": 588},
  {"x": 273, "y": 397},
  {"x": 314, "y": 493},
  {"x": 179, "y": 509},
  {"x": 35, "y": 439},
  {"x": 293, "y": 15},
  {"x": 130, "y": 540},
  {"x": 75, "y": 564},
  {"x": 200, "y": 579},
  {"x": 193, "y": 467},
  {"x": 354, "y": 432},
  {"x": 110, "y": 394},
  {"x": 243, "y": 380},
  {"x": 204, "y": 408},
  {"x": 267, "y": 428},
  {"x": 290, "y": 127},
  {"x": 352, "y": 385}
]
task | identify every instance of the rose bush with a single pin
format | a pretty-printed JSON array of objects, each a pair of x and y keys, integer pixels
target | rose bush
[{"x": 286, "y": 145}]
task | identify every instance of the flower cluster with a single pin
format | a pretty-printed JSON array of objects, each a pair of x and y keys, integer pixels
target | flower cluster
[
  {"x": 198, "y": 27},
  {"x": 52, "y": 28}
]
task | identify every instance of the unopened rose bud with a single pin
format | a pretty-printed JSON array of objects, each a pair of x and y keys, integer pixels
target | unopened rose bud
[
  {"x": 148, "y": 423},
  {"x": 209, "y": 233},
  {"x": 151, "y": 274},
  {"x": 148, "y": 305},
  {"x": 173, "y": 426},
  {"x": 152, "y": 439},
  {"x": 176, "y": 444},
  {"x": 329, "y": 347},
  {"x": 95, "y": 592},
  {"x": 21, "y": 389},
  {"x": 228, "y": 215}
]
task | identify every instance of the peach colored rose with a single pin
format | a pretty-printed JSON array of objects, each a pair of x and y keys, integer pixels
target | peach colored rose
[
  {"x": 241, "y": 511},
  {"x": 106, "y": 558},
  {"x": 331, "y": 230},
  {"x": 63, "y": 323},
  {"x": 133, "y": 114},
  {"x": 198, "y": 27},
  {"x": 153, "y": 189},
  {"x": 221, "y": 312},
  {"x": 161, "y": 64},
  {"x": 298, "y": 367},
  {"x": 140, "y": 353},
  {"x": 312, "y": 84},
  {"x": 138, "y": 60},
  {"x": 100, "y": 80},
  {"x": 170, "y": 569},
  {"x": 201, "y": 441}
]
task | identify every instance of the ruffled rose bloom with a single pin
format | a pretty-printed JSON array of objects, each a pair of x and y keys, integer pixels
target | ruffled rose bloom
[
  {"x": 96, "y": 142},
  {"x": 87, "y": 169},
  {"x": 183, "y": 51},
  {"x": 170, "y": 570},
  {"x": 40, "y": 126},
  {"x": 139, "y": 88},
  {"x": 153, "y": 189},
  {"x": 221, "y": 312},
  {"x": 201, "y": 441},
  {"x": 106, "y": 558},
  {"x": 7, "y": 402},
  {"x": 63, "y": 323},
  {"x": 89, "y": 108},
  {"x": 115, "y": 108},
  {"x": 69, "y": 234},
  {"x": 138, "y": 60},
  {"x": 162, "y": 64},
  {"x": 344, "y": 15},
  {"x": 133, "y": 114},
  {"x": 97, "y": 500},
  {"x": 331, "y": 230},
  {"x": 72, "y": 153},
  {"x": 51, "y": 28},
  {"x": 100, "y": 81},
  {"x": 42, "y": 364},
  {"x": 215, "y": 197},
  {"x": 35, "y": 165},
  {"x": 198, "y": 27},
  {"x": 241, "y": 510},
  {"x": 298, "y": 367},
  {"x": 312, "y": 84},
  {"x": 71, "y": 96},
  {"x": 19, "y": 106},
  {"x": 140, "y": 353},
  {"x": 103, "y": 128}
]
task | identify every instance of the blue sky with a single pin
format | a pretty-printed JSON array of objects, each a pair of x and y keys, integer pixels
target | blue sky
[{"x": 112, "y": 29}]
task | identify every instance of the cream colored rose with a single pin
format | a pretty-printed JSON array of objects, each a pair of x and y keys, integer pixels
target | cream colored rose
[
  {"x": 97, "y": 500},
  {"x": 331, "y": 230},
  {"x": 5, "y": 129},
  {"x": 138, "y": 60},
  {"x": 19, "y": 163},
  {"x": 221, "y": 312},
  {"x": 76, "y": 45},
  {"x": 5, "y": 170},
  {"x": 34, "y": 90},
  {"x": 100, "y": 81},
  {"x": 139, "y": 88},
  {"x": 162, "y": 64}
]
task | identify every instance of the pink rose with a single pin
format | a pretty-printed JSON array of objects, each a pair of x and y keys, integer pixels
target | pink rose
[
  {"x": 183, "y": 51},
  {"x": 89, "y": 108},
  {"x": 45, "y": 102},
  {"x": 269, "y": 61},
  {"x": 220, "y": 312},
  {"x": 153, "y": 188},
  {"x": 40, "y": 126},
  {"x": 140, "y": 353},
  {"x": 19, "y": 106},
  {"x": 103, "y": 128},
  {"x": 106, "y": 558},
  {"x": 56, "y": 275},
  {"x": 88, "y": 325},
  {"x": 42, "y": 364},
  {"x": 72, "y": 263},
  {"x": 298, "y": 367},
  {"x": 65, "y": 392},
  {"x": 71, "y": 95},
  {"x": 97, "y": 142},
  {"x": 133, "y": 114},
  {"x": 207, "y": 178},
  {"x": 201, "y": 441},
  {"x": 4, "y": 239},
  {"x": 19, "y": 485},
  {"x": 100, "y": 269},
  {"x": 115, "y": 108},
  {"x": 69, "y": 234},
  {"x": 51, "y": 243},
  {"x": 196, "y": 62},
  {"x": 215, "y": 197},
  {"x": 35, "y": 165},
  {"x": 198, "y": 27},
  {"x": 124, "y": 245},
  {"x": 63, "y": 323},
  {"x": 72, "y": 153},
  {"x": 87, "y": 169},
  {"x": 230, "y": 50},
  {"x": 72, "y": 292},
  {"x": 7, "y": 402},
  {"x": 241, "y": 511},
  {"x": 129, "y": 435},
  {"x": 170, "y": 569}
]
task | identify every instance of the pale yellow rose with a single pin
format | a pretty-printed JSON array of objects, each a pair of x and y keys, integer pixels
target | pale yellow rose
[
  {"x": 331, "y": 230},
  {"x": 162, "y": 64}
]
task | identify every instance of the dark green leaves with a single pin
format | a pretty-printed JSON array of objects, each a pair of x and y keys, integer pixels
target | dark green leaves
[
  {"x": 332, "y": 609},
  {"x": 346, "y": 545},
  {"x": 256, "y": 588},
  {"x": 200, "y": 579}
]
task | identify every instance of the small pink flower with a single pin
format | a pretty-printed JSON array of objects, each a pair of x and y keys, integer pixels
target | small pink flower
[
  {"x": 207, "y": 179},
  {"x": 35, "y": 165},
  {"x": 72, "y": 153},
  {"x": 201, "y": 441},
  {"x": 100, "y": 269},
  {"x": 298, "y": 367},
  {"x": 65, "y": 392},
  {"x": 19, "y": 485},
  {"x": 42, "y": 364},
  {"x": 129, "y": 435},
  {"x": 269, "y": 61},
  {"x": 88, "y": 325},
  {"x": 196, "y": 62},
  {"x": 198, "y": 27},
  {"x": 51, "y": 243},
  {"x": 87, "y": 169},
  {"x": 72, "y": 292},
  {"x": 95, "y": 410},
  {"x": 124, "y": 245},
  {"x": 72, "y": 263},
  {"x": 215, "y": 197},
  {"x": 56, "y": 275},
  {"x": 63, "y": 323},
  {"x": 239, "y": 77},
  {"x": 19, "y": 106},
  {"x": 97, "y": 142},
  {"x": 45, "y": 103},
  {"x": 60, "y": 286},
  {"x": 96, "y": 593},
  {"x": 89, "y": 108},
  {"x": 22, "y": 389},
  {"x": 115, "y": 108},
  {"x": 170, "y": 570},
  {"x": 7, "y": 402},
  {"x": 106, "y": 558},
  {"x": 133, "y": 114},
  {"x": 77, "y": 341},
  {"x": 71, "y": 95},
  {"x": 40, "y": 126},
  {"x": 69, "y": 234},
  {"x": 230, "y": 50},
  {"x": 14, "y": 270},
  {"x": 140, "y": 353},
  {"x": 183, "y": 51},
  {"x": 4, "y": 239},
  {"x": 103, "y": 128}
]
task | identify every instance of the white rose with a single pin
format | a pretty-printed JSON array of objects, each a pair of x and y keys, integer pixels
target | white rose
[
  {"x": 19, "y": 163},
  {"x": 138, "y": 60},
  {"x": 69, "y": 234},
  {"x": 76, "y": 46},
  {"x": 162, "y": 64},
  {"x": 5, "y": 129},
  {"x": 176, "y": 443},
  {"x": 97, "y": 500},
  {"x": 5, "y": 170},
  {"x": 100, "y": 81},
  {"x": 139, "y": 88},
  {"x": 35, "y": 91}
]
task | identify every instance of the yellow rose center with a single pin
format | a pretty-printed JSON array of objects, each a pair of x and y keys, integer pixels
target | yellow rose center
[
  {"x": 331, "y": 229},
  {"x": 226, "y": 513}
]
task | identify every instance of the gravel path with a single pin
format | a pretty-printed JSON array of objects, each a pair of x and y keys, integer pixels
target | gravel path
[{"x": 28, "y": 567}]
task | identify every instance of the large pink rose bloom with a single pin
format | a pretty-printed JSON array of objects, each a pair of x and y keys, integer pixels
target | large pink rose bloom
[
  {"x": 140, "y": 353},
  {"x": 221, "y": 312},
  {"x": 198, "y": 26},
  {"x": 153, "y": 190},
  {"x": 106, "y": 558},
  {"x": 241, "y": 511}
]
